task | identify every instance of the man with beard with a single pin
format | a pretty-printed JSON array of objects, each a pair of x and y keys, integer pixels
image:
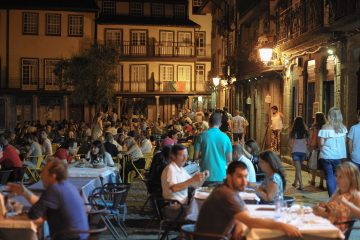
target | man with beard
[{"x": 224, "y": 210}]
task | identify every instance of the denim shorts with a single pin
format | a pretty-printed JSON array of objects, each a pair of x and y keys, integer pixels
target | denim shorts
[{"x": 298, "y": 156}]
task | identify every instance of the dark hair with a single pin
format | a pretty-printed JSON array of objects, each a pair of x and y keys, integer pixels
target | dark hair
[
  {"x": 172, "y": 133},
  {"x": 274, "y": 162},
  {"x": 255, "y": 150},
  {"x": 108, "y": 137},
  {"x": 131, "y": 133},
  {"x": 275, "y": 108},
  {"x": 176, "y": 148},
  {"x": 59, "y": 168},
  {"x": 215, "y": 119},
  {"x": 69, "y": 143},
  {"x": 320, "y": 120},
  {"x": 234, "y": 165},
  {"x": 299, "y": 129},
  {"x": 99, "y": 145}
]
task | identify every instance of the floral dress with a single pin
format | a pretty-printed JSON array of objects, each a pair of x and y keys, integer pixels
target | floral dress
[{"x": 338, "y": 212}]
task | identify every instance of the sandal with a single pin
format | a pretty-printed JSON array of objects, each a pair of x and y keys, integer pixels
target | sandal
[{"x": 294, "y": 185}]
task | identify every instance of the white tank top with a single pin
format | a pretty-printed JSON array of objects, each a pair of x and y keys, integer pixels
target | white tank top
[{"x": 276, "y": 122}]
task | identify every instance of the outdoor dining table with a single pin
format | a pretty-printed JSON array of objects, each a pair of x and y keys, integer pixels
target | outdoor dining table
[
  {"x": 19, "y": 226},
  {"x": 310, "y": 225}
]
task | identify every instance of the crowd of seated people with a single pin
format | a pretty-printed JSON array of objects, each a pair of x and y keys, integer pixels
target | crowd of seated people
[{"x": 107, "y": 139}]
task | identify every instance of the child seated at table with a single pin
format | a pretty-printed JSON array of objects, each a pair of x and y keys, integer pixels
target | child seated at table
[
  {"x": 274, "y": 182},
  {"x": 344, "y": 204}
]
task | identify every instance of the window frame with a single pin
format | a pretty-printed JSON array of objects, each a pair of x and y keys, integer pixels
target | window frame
[
  {"x": 47, "y": 24},
  {"x": 175, "y": 8},
  {"x": 131, "y": 83},
  {"x": 82, "y": 25},
  {"x": 37, "y": 23},
  {"x": 197, "y": 5},
  {"x": 173, "y": 72},
  {"x": 196, "y": 72},
  {"x": 50, "y": 86},
  {"x": 162, "y": 14},
  {"x": 178, "y": 67},
  {"x": 106, "y": 30},
  {"x": 134, "y": 3},
  {"x": 22, "y": 72},
  {"x": 113, "y": 12}
]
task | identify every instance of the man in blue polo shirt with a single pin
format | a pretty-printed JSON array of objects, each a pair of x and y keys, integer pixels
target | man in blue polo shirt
[
  {"x": 215, "y": 149},
  {"x": 60, "y": 204}
]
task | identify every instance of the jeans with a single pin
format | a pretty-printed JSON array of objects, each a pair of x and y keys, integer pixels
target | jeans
[{"x": 329, "y": 167}]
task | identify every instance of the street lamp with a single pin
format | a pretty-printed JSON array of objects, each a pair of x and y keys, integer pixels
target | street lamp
[
  {"x": 265, "y": 54},
  {"x": 216, "y": 81}
]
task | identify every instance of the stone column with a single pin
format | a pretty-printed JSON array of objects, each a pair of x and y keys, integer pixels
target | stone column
[
  {"x": 190, "y": 102},
  {"x": 118, "y": 106},
  {"x": 66, "y": 107},
  {"x": 157, "y": 98},
  {"x": 35, "y": 107}
]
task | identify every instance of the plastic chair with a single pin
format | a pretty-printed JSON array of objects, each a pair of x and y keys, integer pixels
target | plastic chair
[
  {"x": 191, "y": 234},
  {"x": 4, "y": 176}
]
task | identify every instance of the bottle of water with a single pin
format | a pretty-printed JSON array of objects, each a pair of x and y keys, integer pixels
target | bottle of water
[{"x": 278, "y": 205}]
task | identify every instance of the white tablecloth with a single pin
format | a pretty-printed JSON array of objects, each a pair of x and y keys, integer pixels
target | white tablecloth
[
  {"x": 90, "y": 172},
  {"x": 308, "y": 224},
  {"x": 18, "y": 227}
]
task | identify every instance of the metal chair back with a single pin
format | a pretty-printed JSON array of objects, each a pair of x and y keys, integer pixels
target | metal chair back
[{"x": 4, "y": 176}]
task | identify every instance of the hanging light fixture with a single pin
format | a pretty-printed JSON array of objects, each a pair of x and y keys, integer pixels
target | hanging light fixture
[{"x": 265, "y": 54}]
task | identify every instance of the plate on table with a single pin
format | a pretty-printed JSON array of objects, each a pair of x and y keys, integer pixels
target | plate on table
[
  {"x": 205, "y": 189},
  {"x": 201, "y": 195}
]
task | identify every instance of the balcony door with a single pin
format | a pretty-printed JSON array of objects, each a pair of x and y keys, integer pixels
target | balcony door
[
  {"x": 166, "y": 43},
  {"x": 138, "y": 42},
  {"x": 113, "y": 38},
  {"x": 200, "y": 43},
  {"x": 184, "y": 44}
]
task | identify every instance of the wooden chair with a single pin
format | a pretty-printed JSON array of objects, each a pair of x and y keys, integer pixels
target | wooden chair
[
  {"x": 34, "y": 171},
  {"x": 191, "y": 234}
]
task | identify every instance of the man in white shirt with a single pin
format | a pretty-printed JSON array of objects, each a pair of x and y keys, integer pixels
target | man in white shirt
[
  {"x": 354, "y": 142},
  {"x": 238, "y": 155},
  {"x": 175, "y": 180},
  {"x": 239, "y": 125}
]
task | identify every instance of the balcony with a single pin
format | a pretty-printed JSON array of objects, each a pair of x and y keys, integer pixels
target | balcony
[
  {"x": 296, "y": 21},
  {"x": 159, "y": 49},
  {"x": 339, "y": 9}
]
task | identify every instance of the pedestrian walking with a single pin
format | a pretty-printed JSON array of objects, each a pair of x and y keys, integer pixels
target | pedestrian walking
[
  {"x": 314, "y": 148},
  {"x": 332, "y": 146},
  {"x": 354, "y": 142},
  {"x": 299, "y": 137}
]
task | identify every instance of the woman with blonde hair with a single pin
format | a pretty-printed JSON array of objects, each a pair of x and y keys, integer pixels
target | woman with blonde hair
[
  {"x": 344, "y": 204},
  {"x": 332, "y": 141}
]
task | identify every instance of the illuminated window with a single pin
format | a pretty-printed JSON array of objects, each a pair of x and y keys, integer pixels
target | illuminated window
[
  {"x": 30, "y": 71},
  {"x": 30, "y": 23},
  {"x": 166, "y": 73},
  {"x": 113, "y": 37},
  {"x": 50, "y": 77},
  {"x": 76, "y": 25},
  {"x": 53, "y": 24},
  {"x": 184, "y": 73},
  {"x": 138, "y": 78},
  {"x": 200, "y": 73}
]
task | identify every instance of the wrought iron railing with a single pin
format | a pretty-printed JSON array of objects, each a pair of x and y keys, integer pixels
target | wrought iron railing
[
  {"x": 158, "y": 49},
  {"x": 341, "y": 8},
  {"x": 300, "y": 19}
]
